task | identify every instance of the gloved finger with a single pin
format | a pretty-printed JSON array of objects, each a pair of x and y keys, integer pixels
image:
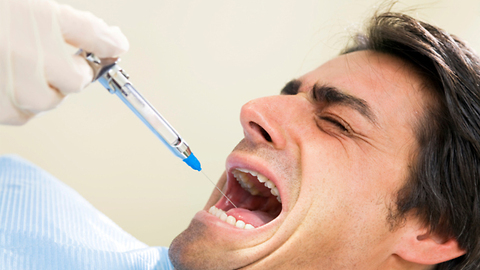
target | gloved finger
[
  {"x": 68, "y": 75},
  {"x": 32, "y": 94},
  {"x": 28, "y": 90},
  {"x": 84, "y": 30},
  {"x": 9, "y": 113},
  {"x": 64, "y": 72}
]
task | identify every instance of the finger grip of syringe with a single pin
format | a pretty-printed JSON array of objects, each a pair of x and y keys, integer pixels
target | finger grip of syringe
[{"x": 151, "y": 118}]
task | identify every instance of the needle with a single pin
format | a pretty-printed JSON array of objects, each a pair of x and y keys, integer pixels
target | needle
[{"x": 218, "y": 189}]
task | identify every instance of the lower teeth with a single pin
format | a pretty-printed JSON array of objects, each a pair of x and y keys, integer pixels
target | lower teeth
[{"x": 229, "y": 219}]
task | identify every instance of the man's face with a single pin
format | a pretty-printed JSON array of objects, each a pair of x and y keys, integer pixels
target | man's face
[{"x": 336, "y": 145}]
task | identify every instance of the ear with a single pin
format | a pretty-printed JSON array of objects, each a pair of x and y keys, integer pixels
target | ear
[{"x": 418, "y": 245}]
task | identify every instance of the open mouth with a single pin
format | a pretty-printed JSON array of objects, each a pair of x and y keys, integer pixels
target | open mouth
[{"x": 256, "y": 197}]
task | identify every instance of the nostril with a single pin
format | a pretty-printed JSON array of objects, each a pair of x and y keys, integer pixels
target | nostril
[
  {"x": 265, "y": 135},
  {"x": 262, "y": 131}
]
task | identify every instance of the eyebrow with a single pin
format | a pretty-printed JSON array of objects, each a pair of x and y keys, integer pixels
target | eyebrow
[{"x": 331, "y": 95}]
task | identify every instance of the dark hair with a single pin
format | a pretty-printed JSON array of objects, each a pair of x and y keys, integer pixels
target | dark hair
[{"x": 443, "y": 188}]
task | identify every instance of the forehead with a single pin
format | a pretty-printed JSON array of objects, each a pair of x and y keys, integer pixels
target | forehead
[{"x": 389, "y": 85}]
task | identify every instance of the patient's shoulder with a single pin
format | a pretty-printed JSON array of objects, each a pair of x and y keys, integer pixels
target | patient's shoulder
[
  {"x": 14, "y": 165},
  {"x": 47, "y": 225},
  {"x": 15, "y": 169},
  {"x": 21, "y": 180},
  {"x": 14, "y": 160}
]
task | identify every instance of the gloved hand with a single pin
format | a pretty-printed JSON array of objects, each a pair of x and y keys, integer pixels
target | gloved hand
[{"x": 37, "y": 66}]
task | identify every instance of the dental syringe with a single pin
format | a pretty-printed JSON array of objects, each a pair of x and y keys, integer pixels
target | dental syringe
[{"x": 115, "y": 80}]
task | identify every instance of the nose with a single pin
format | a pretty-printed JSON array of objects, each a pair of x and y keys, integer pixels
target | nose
[{"x": 268, "y": 120}]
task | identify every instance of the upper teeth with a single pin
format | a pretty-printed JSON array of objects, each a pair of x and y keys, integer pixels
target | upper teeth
[{"x": 247, "y": 184}]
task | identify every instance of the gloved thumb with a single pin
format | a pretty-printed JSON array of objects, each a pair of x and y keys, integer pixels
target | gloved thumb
[{"x": 90, "y": 33}]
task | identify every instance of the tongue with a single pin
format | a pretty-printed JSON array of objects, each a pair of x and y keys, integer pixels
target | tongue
[{"x": 255, "y": 218}]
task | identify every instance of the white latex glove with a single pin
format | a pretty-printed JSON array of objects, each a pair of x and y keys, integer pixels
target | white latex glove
[{"x": 37, "y": 68}]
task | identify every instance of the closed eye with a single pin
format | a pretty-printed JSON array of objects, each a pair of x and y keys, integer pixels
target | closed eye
[{"x": 341, "y": 125}]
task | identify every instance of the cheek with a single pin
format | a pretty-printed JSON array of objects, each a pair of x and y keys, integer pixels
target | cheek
[
  {"x": 344, "y": 189},
  {"x": 327, "y": 180},
  {"x": 328, "y": 169}
]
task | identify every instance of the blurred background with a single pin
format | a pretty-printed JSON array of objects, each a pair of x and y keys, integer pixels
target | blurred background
[{"x": 197, "y": 62}]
